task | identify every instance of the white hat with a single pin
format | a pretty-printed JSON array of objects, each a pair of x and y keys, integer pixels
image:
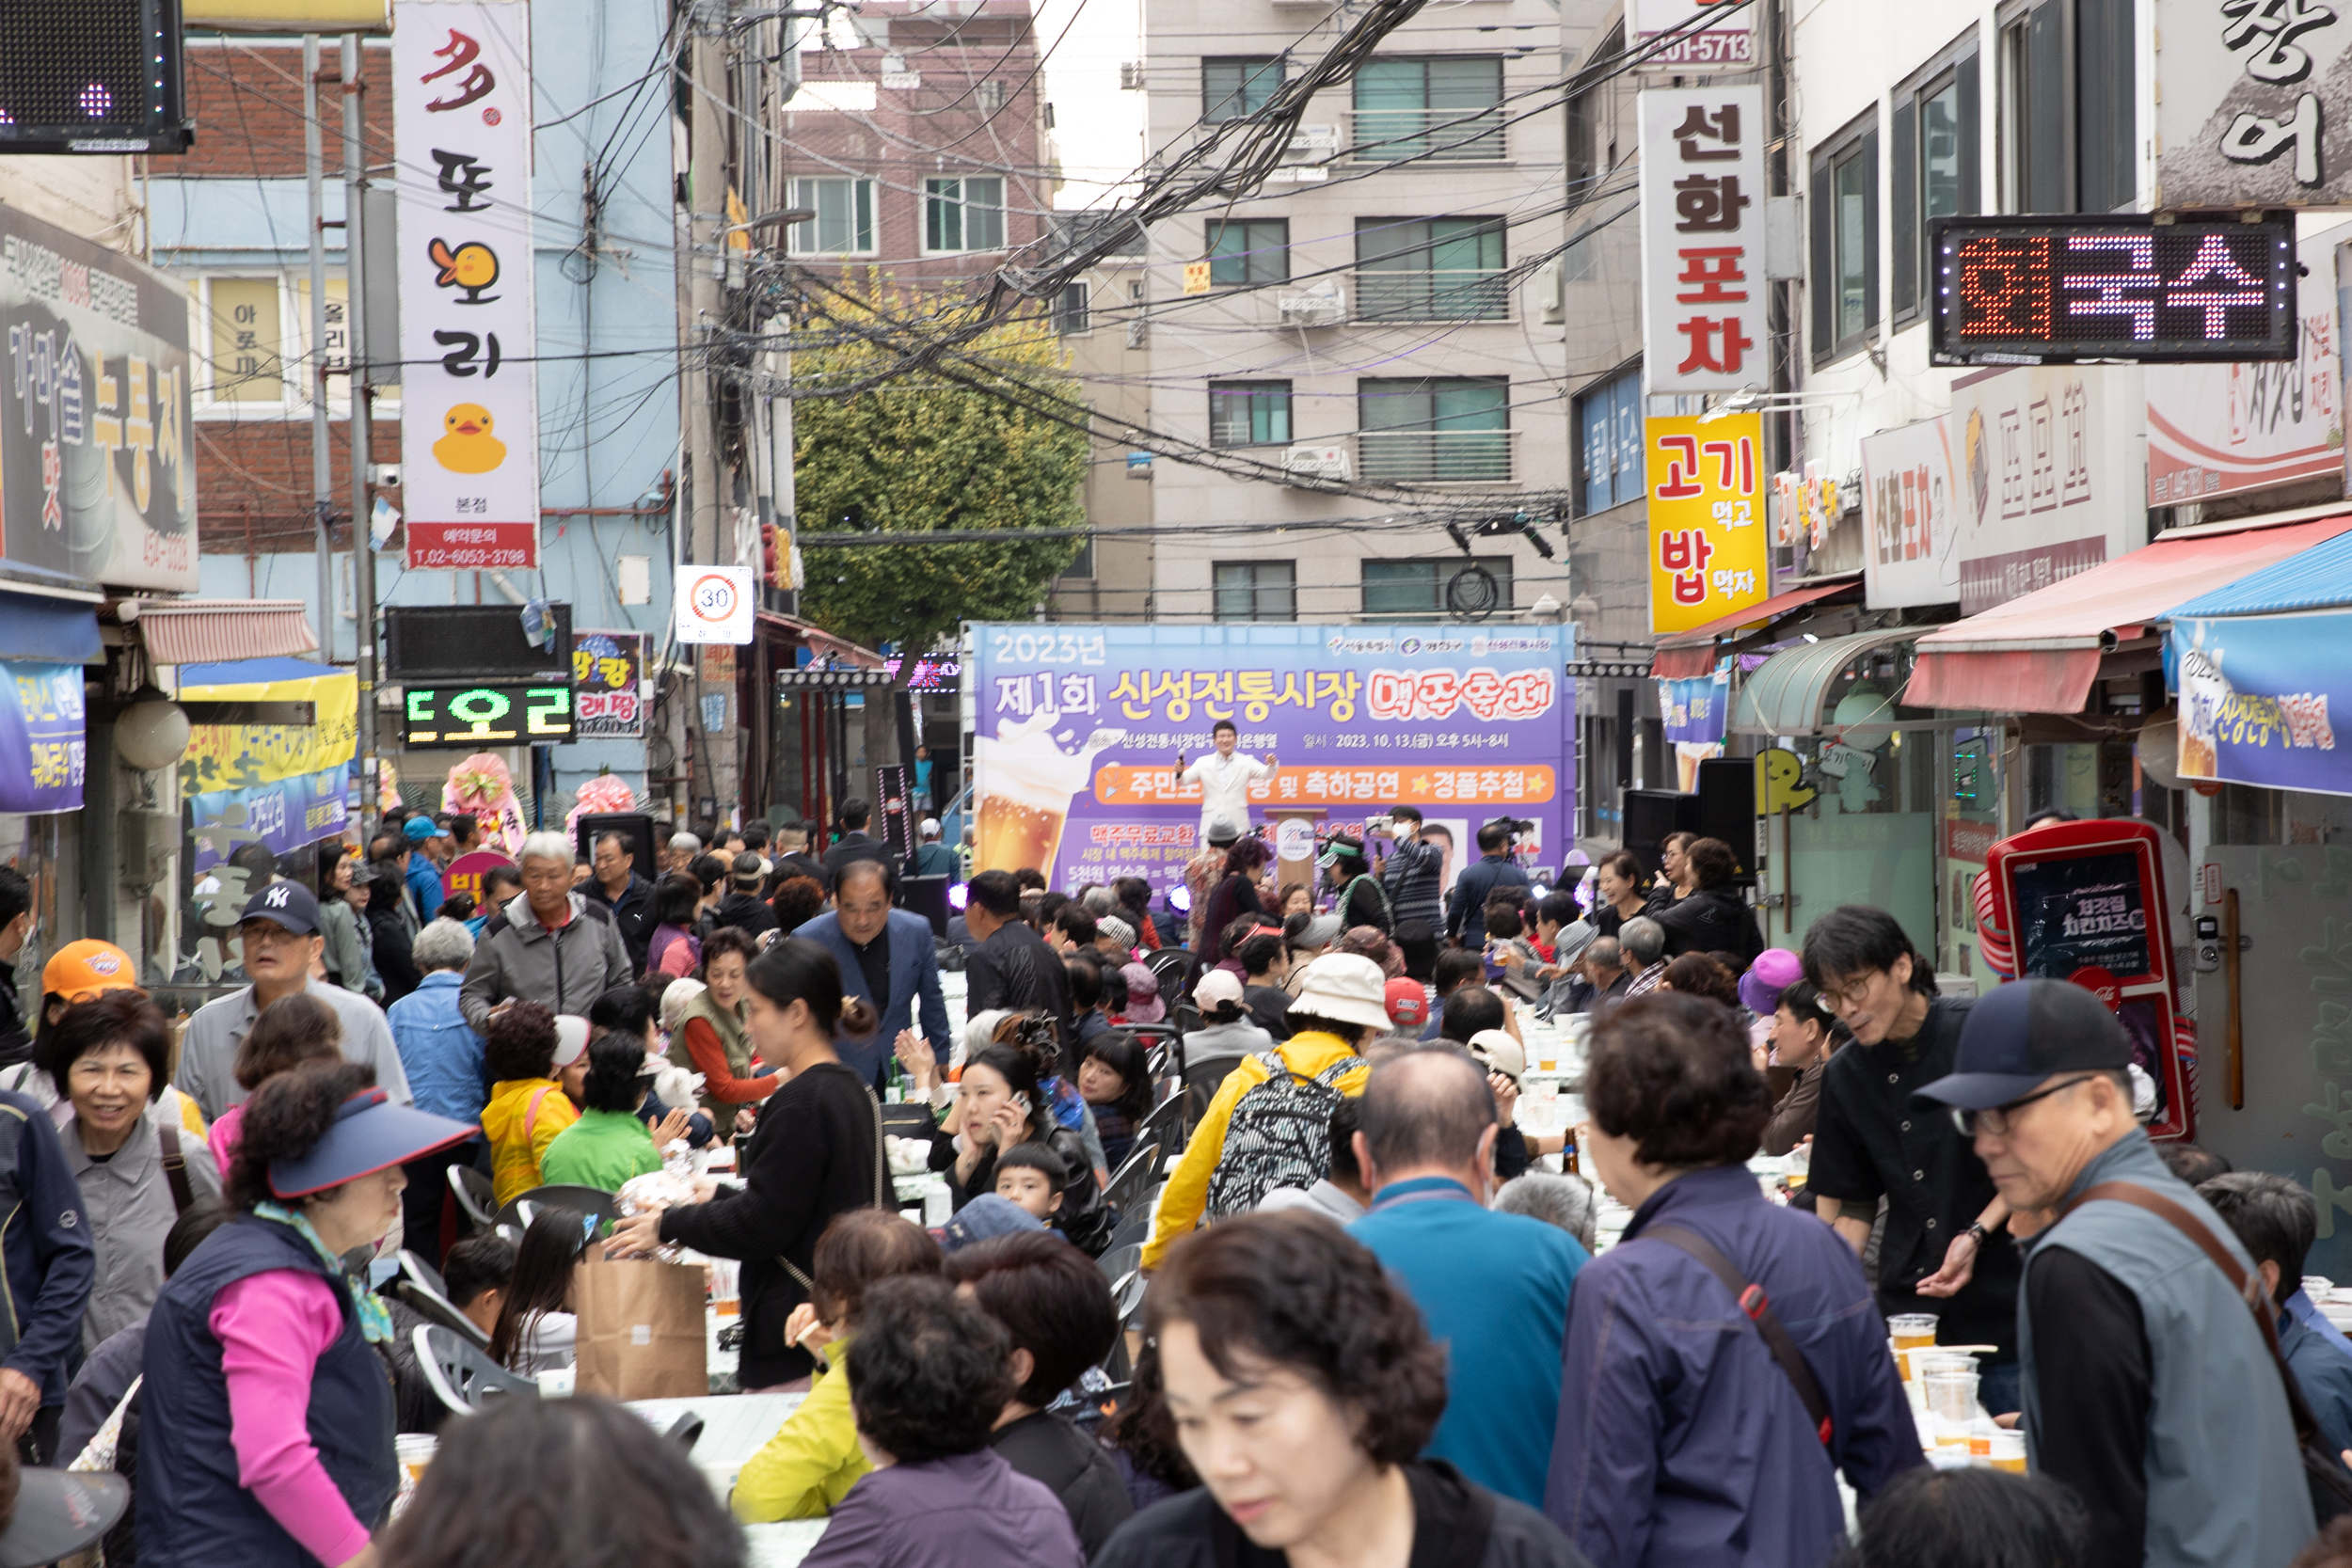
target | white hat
[
  {"x": 930, "y": 826},
  {"x": 1496, "y": 1050},
  {"x": 571, "y": 1038},
  {"x": 1116, "y": 929},
  {"x": 1347, "y": 987},
  {"x": 979, "y": 1030},
  {"x": 1216, "y": 985}
]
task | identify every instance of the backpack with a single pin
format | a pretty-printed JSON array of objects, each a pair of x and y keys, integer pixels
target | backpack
[{"x": 1279, "y": 1135}]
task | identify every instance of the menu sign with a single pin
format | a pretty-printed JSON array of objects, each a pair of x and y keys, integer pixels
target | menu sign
[{"x": 2083, "y": 912}]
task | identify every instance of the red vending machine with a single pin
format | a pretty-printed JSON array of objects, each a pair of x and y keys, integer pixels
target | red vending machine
[{"x": 2085, "y": 902}]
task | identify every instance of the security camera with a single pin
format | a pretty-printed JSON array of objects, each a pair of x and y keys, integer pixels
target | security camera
[{"x": 384, "y": 476}]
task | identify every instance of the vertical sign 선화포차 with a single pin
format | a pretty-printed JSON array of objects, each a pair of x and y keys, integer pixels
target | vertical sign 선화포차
[
  {"x": 469, "y": 430},
  {"x": 1708, "y": 552},
  {"x": 1703, "y": 189}
]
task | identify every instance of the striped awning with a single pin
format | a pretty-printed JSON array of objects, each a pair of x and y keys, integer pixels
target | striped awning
[{"x": 216, "y": 631}]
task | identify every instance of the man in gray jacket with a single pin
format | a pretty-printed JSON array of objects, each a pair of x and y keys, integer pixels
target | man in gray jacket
[
  {"x": 550, "y": 945},
  {"x": 2148, "y": 1387}
]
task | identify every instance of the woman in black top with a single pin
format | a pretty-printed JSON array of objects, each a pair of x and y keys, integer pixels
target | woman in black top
[
  {"x": 1617, "y": 891},
  {"x": 1303, "y": 1384},
  {"x": 1362, "y": 902},
  {"x": 817, "y": 1152},
  {"x": 1711, "y": 915},
  {"x": 1265, "y": 963},
  {"x": 1234, "y": 895},
  {"x": 1001, "y": 1103}
]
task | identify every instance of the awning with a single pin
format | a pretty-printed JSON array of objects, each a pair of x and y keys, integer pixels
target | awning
[
  {"x": 1687, "y": 654},
  {"x": 2318, "y": 579},
  {"x": 818, "y": 637},
  {"x": 211, "y": 631},
  {"x": 40, "y": 628},
  {"x": 2040, "y": 653},
  {"x": 1785, "y": 695}
]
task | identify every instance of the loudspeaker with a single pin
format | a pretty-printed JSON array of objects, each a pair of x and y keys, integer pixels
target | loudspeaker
[
  {"x": 1727, "y": 807},
  {"x": 1650, "y": 815},
  {"x": 636, "y": 826},
  {"x": 928, "y": 898}
]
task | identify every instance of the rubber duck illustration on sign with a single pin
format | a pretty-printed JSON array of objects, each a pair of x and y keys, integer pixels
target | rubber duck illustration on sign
[
  {"x": 470, "y": 268},
  {"x": 469, "y": 448},
  {"x": 1780, "y": 773}
]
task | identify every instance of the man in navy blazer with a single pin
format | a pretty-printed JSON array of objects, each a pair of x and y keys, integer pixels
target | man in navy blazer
[{"x": 886, "y": 957}]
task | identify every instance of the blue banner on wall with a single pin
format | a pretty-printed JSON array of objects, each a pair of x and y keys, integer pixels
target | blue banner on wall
[
  {"x": 43, "y": 752},
  {"x": 2257, "y": 699},
  {"x": 284, "y": 814},
  {"x": 1695, "y": 710}
]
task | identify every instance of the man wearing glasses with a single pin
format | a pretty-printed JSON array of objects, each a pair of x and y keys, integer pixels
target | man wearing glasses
[
  {"x": 1944, "y": 1250},
  {"x": 2150, "y": 1388}
]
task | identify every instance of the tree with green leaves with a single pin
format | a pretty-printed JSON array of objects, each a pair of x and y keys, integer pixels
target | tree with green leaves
[{"x": 989, "y": 438}]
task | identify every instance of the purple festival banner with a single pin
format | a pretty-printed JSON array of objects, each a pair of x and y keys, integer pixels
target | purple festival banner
[{"x": 1076, "y": 731}]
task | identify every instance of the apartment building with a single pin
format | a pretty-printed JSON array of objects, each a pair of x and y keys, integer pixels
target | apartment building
[{"x": 1366, "y": 318}]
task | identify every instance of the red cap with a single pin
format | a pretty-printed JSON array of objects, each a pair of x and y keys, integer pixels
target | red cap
[{"x": 1409, "y": 1003}]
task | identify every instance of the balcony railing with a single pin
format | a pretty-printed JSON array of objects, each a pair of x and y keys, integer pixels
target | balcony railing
[
  {"x": 1440, "y": 295},
  {"x": 1461, "y": 456},
  {"x": 1443, "y": 136}
]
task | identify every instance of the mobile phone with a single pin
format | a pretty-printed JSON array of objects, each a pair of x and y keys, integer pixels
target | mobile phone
[{"x": 1022, "y": 1103}]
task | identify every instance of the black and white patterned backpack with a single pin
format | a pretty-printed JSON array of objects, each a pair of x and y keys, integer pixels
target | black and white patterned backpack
[{"x": 1279, "y": 1135}]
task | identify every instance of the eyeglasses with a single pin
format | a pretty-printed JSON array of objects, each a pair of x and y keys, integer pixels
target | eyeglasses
[
  {"x": 1996, "y": 1119},
  {"x": 1850, "y": 996}
]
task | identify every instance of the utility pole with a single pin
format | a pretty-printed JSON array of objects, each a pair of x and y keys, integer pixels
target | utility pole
[
  {"x": 355, "y": 318},
  {"x": 322, "y": 461},
  {"x": 710, "y": 536}
]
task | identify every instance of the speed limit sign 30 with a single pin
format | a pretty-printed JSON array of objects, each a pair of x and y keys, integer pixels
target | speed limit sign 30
[{"x": 714, "y": 604}]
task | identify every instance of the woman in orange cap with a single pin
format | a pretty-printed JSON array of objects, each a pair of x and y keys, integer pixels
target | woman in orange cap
[{"x": 80, "y": 971}]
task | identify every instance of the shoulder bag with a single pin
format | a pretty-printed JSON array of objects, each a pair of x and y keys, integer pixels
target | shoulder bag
[
  {"x": 1758, "y": 1308},
  {"x": 881, "y": 1193}
]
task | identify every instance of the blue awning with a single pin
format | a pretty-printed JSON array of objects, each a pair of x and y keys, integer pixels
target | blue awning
[
  {"x": 37, "y": 628},
  {"x": 2319, "y": 578}
]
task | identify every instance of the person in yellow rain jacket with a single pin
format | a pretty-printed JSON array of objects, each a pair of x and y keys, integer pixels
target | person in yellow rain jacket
[
  {"x": 527, "y": 1047},
  {"x": 1341, "y": 1003},
  {"x": 809, "y": 1465}
]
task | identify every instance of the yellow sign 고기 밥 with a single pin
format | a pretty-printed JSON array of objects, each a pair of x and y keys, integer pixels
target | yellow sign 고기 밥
[
  {"x": 1196, "y": 278},
  {"x": 1708, "y": 555}
]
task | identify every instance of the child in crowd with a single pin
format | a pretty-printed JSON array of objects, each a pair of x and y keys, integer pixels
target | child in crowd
[
  {"x": 477, "y": 1271},
  {"x": 1031, "y": 1176}
]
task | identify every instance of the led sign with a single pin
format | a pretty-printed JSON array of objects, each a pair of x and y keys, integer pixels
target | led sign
[
  {"x": 2054, "y": 291},
  {"x": 483, "y": 715}
]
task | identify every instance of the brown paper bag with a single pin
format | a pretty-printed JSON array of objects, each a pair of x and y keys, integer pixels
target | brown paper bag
[{"x": 640, "y": 1330}]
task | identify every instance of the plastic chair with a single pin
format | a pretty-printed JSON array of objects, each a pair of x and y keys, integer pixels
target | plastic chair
[
  {"x": 1171, "y": 966},
  {"x": 422, "y": 1289},
  {"x": 594, "y": 1202},
  {"x": 1135, "y": 1178},
  {"x": 1162, "y": 1125},
  {"x": 476, "y": 1198},
  {"x": 462, "y": 1377},
  {"x": 1118, "y": 1262},
  {"x": 1134, "y": 1231}
]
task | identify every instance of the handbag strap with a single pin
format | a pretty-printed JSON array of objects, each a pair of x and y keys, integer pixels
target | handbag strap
[
  {"x": 1758, "y": 1308},
  {"x": 176, "y": 1168},
  {"x": 881, "y": 1189},
  {"x": 2248, "y": 1285}
]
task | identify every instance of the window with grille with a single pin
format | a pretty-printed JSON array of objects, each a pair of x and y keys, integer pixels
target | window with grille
[
  {"x": 964, "y": 213},
  {"x": 844, "y": 223},
  {"x": 1430, "y": 269},
  {"x": 1438, "y": 428},
  {"x": 1404, "y": 589},
  {"x": 1249, "y": 413},
  {"x": 1255, "y": 590},
  {"x": 1446, "y": 107}
]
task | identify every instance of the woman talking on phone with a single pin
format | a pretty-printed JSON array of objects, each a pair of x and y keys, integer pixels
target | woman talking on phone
[
  {"x": 817, "y": 1153},
  {"x": 1000, "y": 1104}
]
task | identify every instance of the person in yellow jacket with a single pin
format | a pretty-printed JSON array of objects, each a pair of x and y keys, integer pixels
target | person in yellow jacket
[
  {"x": 527, "y": 1046},
  {"x": 809, "y": 1465},
  {"x": 1341, "y": 1003}
]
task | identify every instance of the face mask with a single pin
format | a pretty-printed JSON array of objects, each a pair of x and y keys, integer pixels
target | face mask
[{"x": 388, "y": 1246}]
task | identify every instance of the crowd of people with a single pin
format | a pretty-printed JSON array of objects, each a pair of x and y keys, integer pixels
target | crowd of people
[{"x": 1374, "y": 1327}]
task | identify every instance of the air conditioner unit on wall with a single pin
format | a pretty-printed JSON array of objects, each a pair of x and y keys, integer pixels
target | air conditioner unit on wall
[
  {"x": 1311, "y": 465},
  {"x": 1313, "y": 141},
  {"x": 1324, "y": 304}
]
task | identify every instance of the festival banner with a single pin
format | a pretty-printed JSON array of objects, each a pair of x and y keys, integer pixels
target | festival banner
[
  {"x": 607, "y": 701},
  {"x": 1694, "y": 710},
  {"x": 237, "y": 756},
  {"x": 470, "y": 440},
  {"x": 283, "y": 815},
  {"x": 43, "y": 752},
  {"x": 1078, "y": 728},
  {"x": 2256, "y": 697}
]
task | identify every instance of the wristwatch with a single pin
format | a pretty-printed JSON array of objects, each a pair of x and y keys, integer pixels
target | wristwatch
[{"x": 1977, "y": 1230}]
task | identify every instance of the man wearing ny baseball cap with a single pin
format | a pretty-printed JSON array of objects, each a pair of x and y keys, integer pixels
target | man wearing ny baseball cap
[
  {"x": 2149, "y": 1388},
  {"x": 279, "y": 937}
]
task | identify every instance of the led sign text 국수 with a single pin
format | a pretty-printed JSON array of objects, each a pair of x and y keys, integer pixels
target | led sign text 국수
[
  {"x": 488, "y": 715},
  {"x": 2043, "y": 290}
]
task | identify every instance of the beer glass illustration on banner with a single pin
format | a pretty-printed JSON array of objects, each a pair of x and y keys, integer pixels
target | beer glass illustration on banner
[{"x": 1026, "y": 782}]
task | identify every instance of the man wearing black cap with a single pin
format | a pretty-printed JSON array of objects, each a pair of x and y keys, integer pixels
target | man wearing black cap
[
  {"x": 1944, "y": 1250},
  {"x": 743, "y": 908},
  {"x": 2150, "y": 1387},
  {"x": 279, "y": 935}
]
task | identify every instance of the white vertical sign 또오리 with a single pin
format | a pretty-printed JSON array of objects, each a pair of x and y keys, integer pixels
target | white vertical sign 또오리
[
  {"x": 2253, "y": 105},
  {"x": 470, "y": 420},
  {"x": 1703, "y": 286},
  {"x": 1910, "y": 499}
]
